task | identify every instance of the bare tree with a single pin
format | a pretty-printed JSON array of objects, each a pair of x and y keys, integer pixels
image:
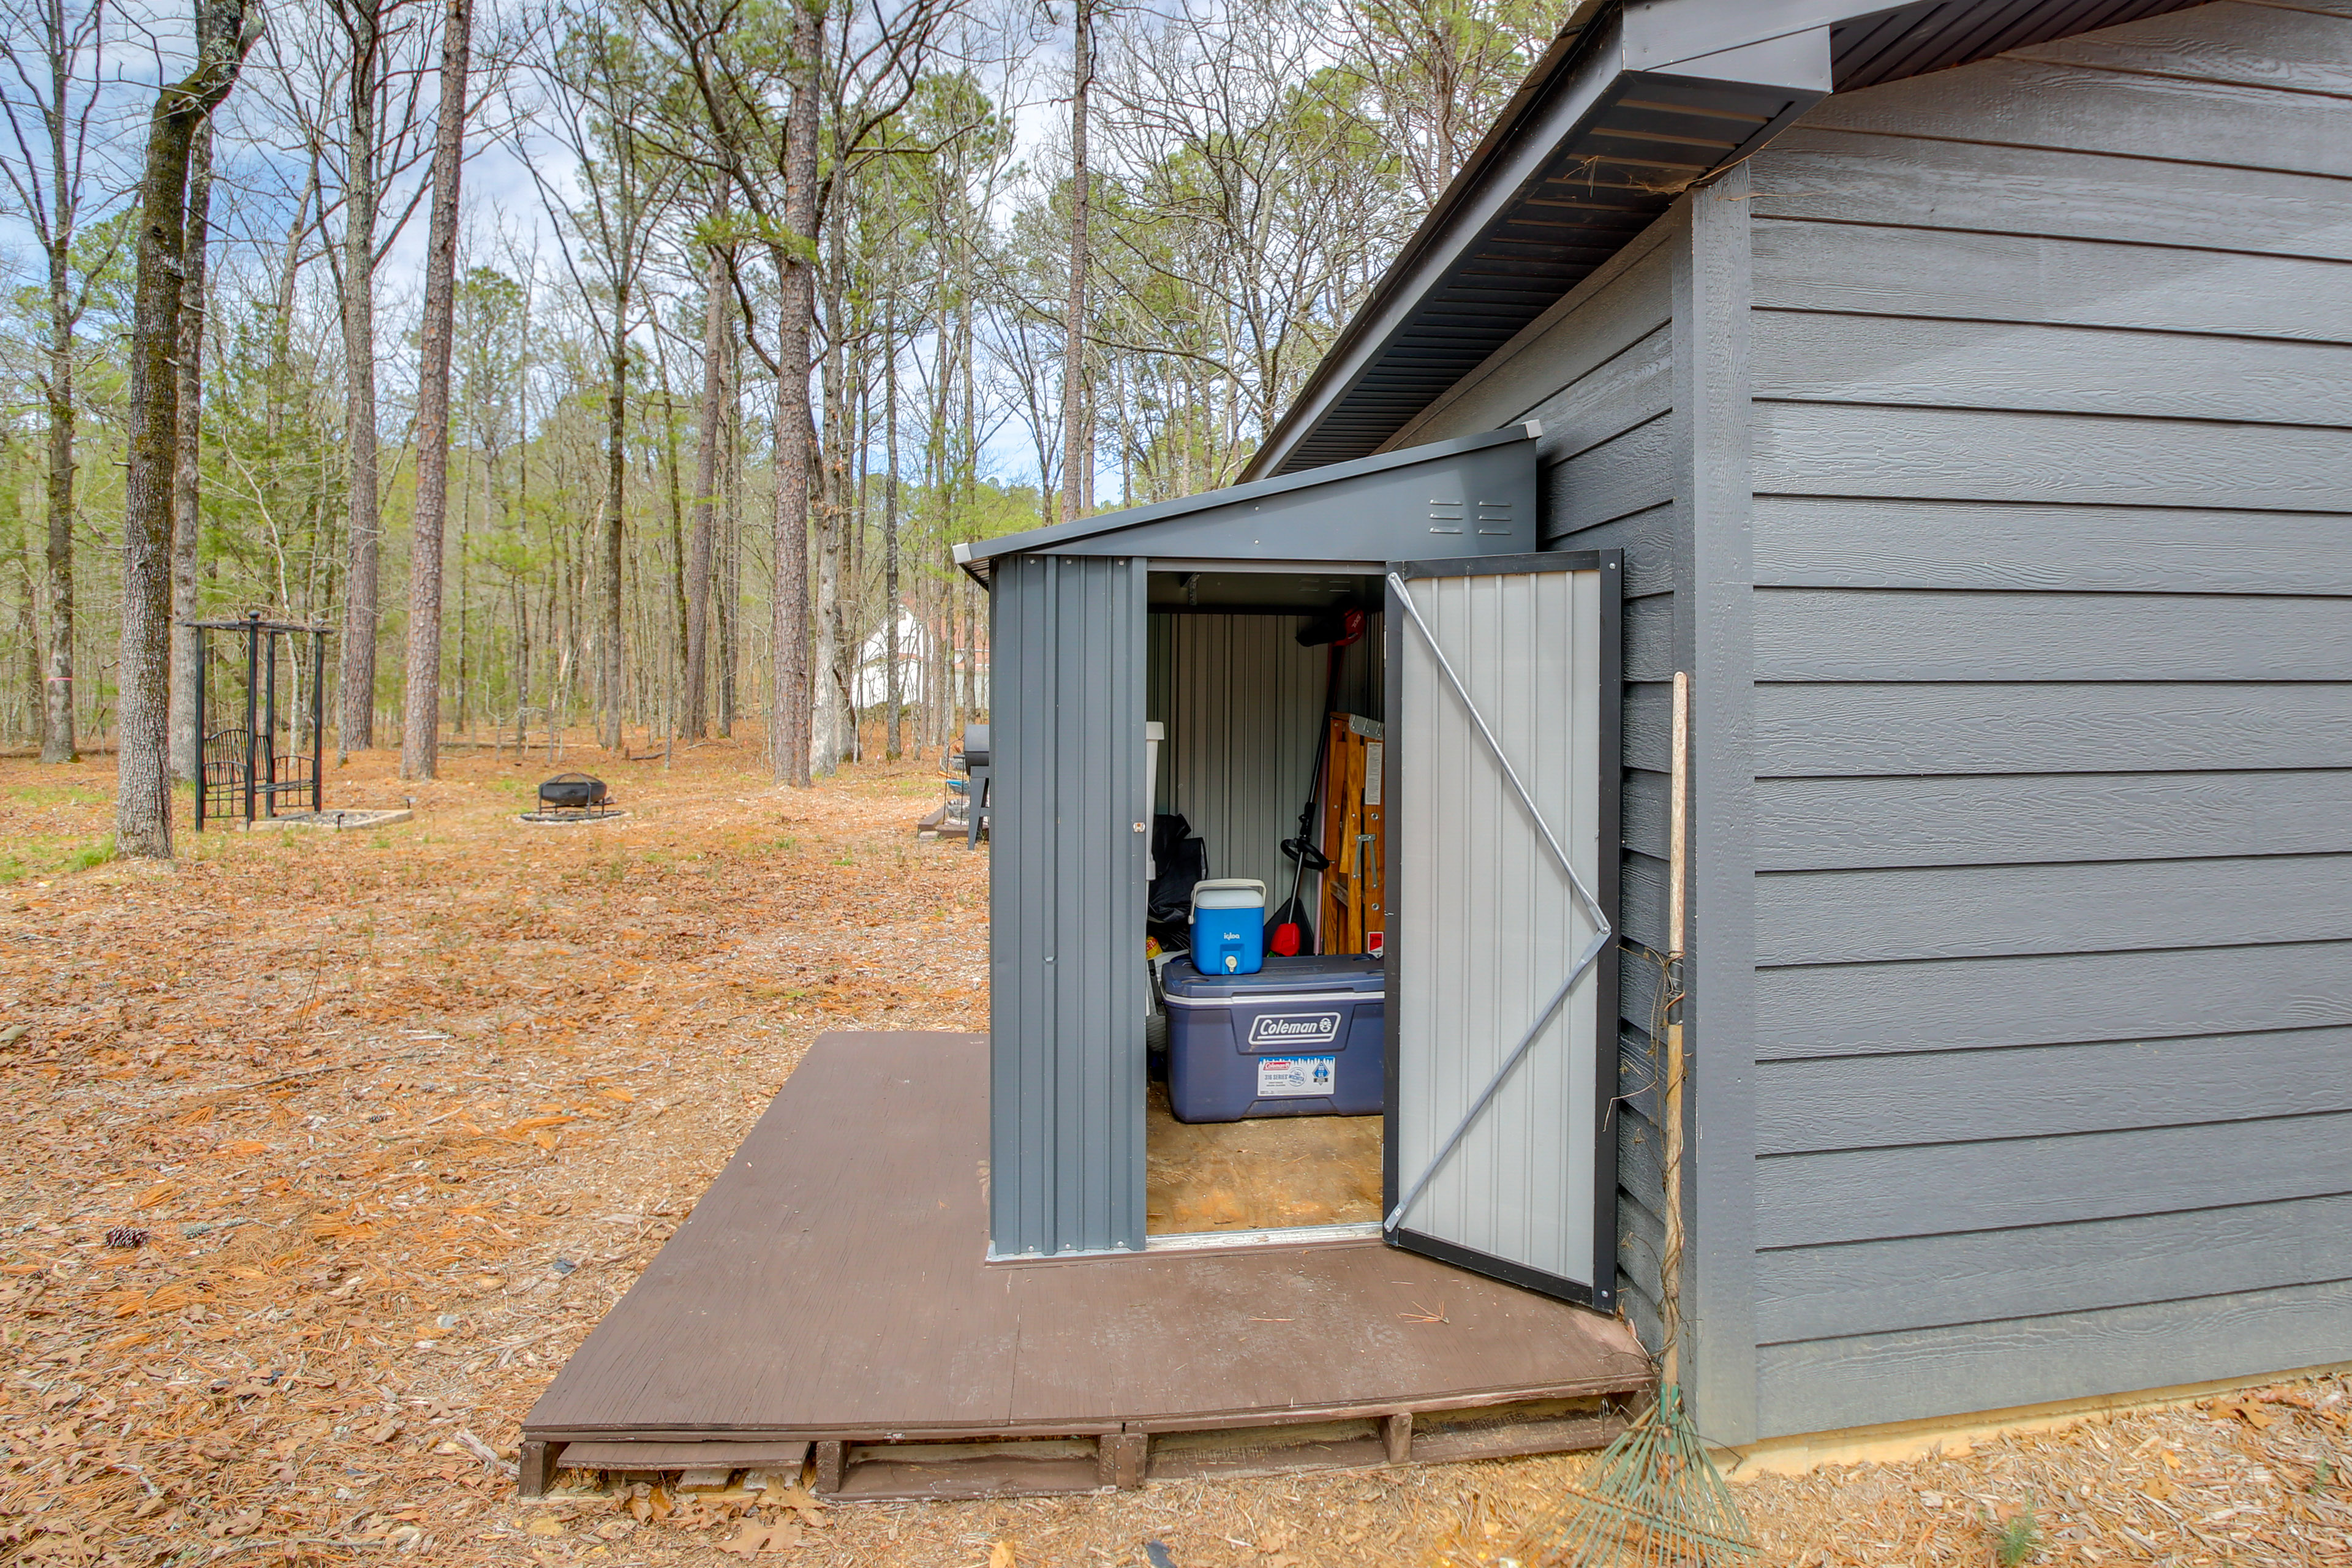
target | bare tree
[
  {"x": 716, "y": 327},
  {"x": 225, "y": 30},
  {"x": 380, "y": 124},
  {"x": 607, "y": 89},
  {"x": 363, "y": 21},
  {"x": 789, "y": 708},
  {"x": 1256, "y": 197},
  {"x": 1439, "y": 71},
  {"x": 856, "y": 77},
  {"x": 187, "y": 744},
  {"x": 1078, "y": 457},
  {"x": 55, "y": 57},
  {"x": 420, "y": 734},
  {"x": 893, "y": 608}
]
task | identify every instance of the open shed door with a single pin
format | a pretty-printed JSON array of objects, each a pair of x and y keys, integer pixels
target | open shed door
[{"x": 1502, "y": 771}]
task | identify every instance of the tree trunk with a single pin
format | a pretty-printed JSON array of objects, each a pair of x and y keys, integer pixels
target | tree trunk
[
  {"x": 969, "y": 465},
  {"x": 609, "y": 663},
  {"x": 356, "y": 709},
  {"x": 28, "y": 637},
  {"x": 1078, "y": 451},
  {"x": 187, "y": 519},
  {"x": 674, "y": 666},
  {"x": 281, "y": 329},
  {"x": 420, "y": 729},
  {"x": 788, "y": 706},
  {"x": 892, "y": 609},
  {"x": 467, "y": 492},
  {"x": 730, "y": 576},
  {"x": 715, "y": 285},
  {"x": 58, "y": 684},
  {"x": 143, "y": 800},
  {"x": 828, "y": 690}
]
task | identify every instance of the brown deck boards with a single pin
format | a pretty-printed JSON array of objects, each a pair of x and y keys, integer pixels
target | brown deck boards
[{"x": 832, "y": 1284}]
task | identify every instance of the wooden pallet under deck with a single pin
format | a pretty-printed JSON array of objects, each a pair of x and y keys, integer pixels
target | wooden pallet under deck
[{"x": 831, "y": 1290}]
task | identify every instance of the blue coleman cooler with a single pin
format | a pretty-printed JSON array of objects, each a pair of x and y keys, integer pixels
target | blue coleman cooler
[
  {"x": 1229, "y": 925},
  {"x": 1302, "y": 1036}
]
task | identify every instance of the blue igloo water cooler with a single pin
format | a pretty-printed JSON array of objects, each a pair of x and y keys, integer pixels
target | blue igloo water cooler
[
  {"x": 1229, "y": 925},
  {"x": 1302, "y": 1036}
]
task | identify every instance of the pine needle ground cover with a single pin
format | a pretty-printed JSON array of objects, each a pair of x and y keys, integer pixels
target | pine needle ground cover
[{"x": 401, "y": 1113}]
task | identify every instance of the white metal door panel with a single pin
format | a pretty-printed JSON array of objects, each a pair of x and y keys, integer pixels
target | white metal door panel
[{"x": 1502, "y": 730}]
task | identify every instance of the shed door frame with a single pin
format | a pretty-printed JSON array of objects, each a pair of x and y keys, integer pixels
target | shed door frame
[{"x": 1600, "y": 1292}]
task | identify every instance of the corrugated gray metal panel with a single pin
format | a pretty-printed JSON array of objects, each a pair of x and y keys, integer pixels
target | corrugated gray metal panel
[
  {"x": 1596, "y": 369},
  {"x": 1483, "y": 925},
  {"x": 1406, "y": 505},
  {"x": 2052, "y": 958},
  {"x": 1159, "y": 694},
  {"x": 1066, "y": 896},
  {"x": 1243, "y": 704}
]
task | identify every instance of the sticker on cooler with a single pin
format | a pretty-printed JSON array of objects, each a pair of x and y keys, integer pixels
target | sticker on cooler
[
  {"x": 1294, "y": 1077},
  {"x": 1295, "y": 1028}
]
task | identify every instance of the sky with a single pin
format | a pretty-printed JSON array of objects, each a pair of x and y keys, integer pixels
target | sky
[{"x": 503, "y": 203}]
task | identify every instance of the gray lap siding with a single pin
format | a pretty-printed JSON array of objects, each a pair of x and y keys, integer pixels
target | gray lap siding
[{"x": 2052, "y": 369}]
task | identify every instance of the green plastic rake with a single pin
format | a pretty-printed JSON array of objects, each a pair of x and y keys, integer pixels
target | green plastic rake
[{"x": 1653, "y": 1500}]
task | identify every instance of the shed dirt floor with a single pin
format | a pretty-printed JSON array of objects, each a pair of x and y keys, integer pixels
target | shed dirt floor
[
  {"x": 1272, "y": 1172},
  {"x": 401, "y": 1113}
]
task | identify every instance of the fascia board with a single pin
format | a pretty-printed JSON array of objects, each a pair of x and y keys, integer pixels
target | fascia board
[
  {"x": 1798, "y": 62},
  {"x": 1657, "y": 34}
]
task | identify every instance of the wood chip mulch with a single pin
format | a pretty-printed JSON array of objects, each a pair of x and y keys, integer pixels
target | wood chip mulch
[{"x": 319, "y": 1153}]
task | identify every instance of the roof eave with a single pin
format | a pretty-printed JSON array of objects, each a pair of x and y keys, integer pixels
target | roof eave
[{"x": 1778, "y": 45}]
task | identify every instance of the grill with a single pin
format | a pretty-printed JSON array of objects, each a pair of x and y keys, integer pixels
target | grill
[
  {"x": 572, "y": 792},
  {"x": 573, "y": 797}
]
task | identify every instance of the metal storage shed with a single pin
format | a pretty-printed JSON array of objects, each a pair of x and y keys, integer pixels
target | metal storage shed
[
  {"x": 837, "y": 1291},
  {"x": 1498, "y": 1086},
  {"x": 1964, "y": 386}
]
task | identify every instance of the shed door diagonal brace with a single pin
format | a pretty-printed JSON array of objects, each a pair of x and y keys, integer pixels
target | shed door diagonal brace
[{"x": 1400, "y": 594}]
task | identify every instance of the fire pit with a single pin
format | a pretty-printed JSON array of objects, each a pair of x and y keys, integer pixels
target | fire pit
[{"x": 573, "y": 797}]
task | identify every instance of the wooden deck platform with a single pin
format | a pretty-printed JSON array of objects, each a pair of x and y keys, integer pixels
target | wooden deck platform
[{"x": 831, "y": 1288}]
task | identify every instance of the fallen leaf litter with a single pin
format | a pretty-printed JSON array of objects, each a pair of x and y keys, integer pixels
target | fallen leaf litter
[{"x": 398, "y": 1114}]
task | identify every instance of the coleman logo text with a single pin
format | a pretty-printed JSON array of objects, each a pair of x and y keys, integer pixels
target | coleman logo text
[{"x": 1293, "y": 1029}]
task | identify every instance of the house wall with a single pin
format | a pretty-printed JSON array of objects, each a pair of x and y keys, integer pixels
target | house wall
[
  {"x": 2051, "y": 358},
  {"x": 1598, "y": 370}
]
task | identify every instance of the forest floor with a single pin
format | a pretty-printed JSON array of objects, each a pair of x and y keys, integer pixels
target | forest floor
[{"x": 402, "y": 1111}]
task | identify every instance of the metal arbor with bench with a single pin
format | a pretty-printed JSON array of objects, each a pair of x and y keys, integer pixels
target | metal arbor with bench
[{"x": 245, "y": 769}]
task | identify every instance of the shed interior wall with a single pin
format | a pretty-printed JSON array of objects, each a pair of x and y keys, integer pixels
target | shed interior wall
[
  {"x": 1243, "y": 705},
  {"x": 1598, "y": 370},
  {"x": 2052, "y": 361}
]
